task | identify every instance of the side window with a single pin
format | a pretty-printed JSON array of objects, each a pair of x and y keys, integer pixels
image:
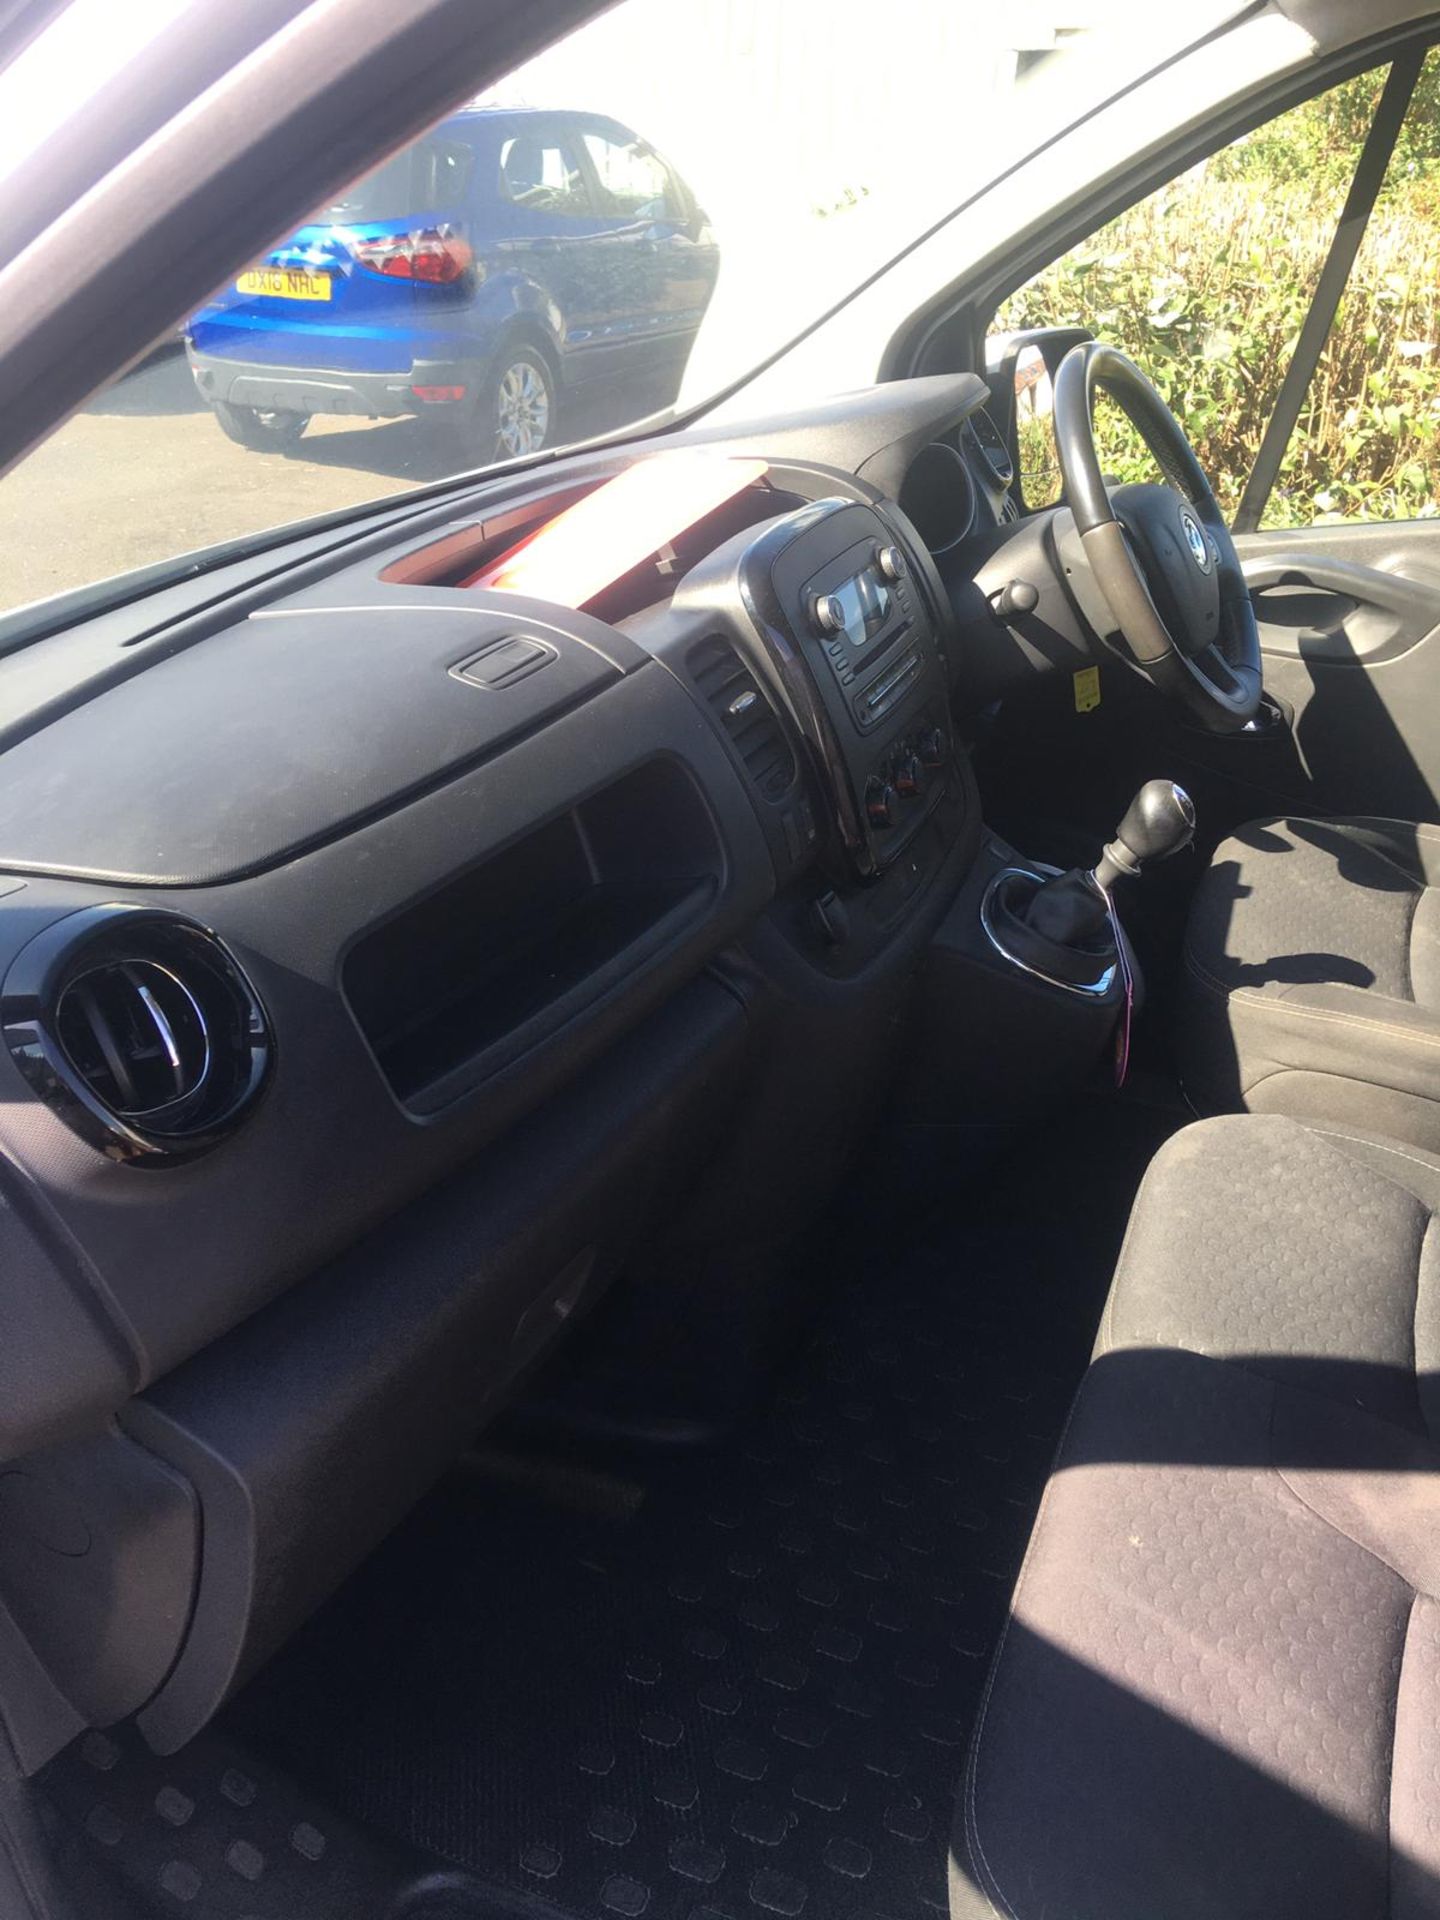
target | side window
[
  {"x": 1207, "y": 283},
  {"x": 444, "y": 172},
  {"x": 634, "y": 182},
  {"x": 1366, "y": 442},
  {"x": 542, "y": 176}
]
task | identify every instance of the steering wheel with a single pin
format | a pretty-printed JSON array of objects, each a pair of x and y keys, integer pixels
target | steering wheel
[{"x": 1162, "y": 556}]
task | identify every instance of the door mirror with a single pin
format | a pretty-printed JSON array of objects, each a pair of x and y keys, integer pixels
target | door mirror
[
  {"x": 1020, "y": 369},
  {"x": 1034, "y": 390}
]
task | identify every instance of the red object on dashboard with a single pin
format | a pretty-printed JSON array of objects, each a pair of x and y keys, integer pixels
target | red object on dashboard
[{"x": 594, "y": 543}]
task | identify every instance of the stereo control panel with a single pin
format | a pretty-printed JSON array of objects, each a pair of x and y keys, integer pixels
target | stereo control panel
[{"x": 844, "y": 622}]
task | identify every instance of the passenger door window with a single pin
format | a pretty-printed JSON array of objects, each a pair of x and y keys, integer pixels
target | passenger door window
[
  {"x": 633, "y": 181},
  {"x": 543, "y": 176},
  {"x": 1207, "y": 282}
]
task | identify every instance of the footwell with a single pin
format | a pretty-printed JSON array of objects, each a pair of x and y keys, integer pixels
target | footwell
[{"x": 719, "y": 1685}]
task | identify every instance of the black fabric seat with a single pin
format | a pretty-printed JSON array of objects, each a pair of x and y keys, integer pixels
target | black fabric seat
[
  {"x": 1219, "y": 1690},
  {"x": 1312, "y": 972}
]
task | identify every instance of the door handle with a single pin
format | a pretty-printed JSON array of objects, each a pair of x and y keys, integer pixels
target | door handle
[
  {"x": 1339, "y": 609},
  {"x": 1371, "y": 586}
]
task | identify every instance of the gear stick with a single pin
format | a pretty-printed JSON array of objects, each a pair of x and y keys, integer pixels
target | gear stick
[
  {"x": 1073, "y": 908},
  {"x": 1060, "y": 927},
  {"x": 1159, "y": 821}
]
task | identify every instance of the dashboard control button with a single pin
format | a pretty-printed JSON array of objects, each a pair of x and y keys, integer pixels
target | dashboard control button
[
  {"x": 826, "y": 613},
  {"x": 879, "y": 802},
  {"x": 891, "y": 562},
  {"x": 933, "y": 747},
  {"x": 909, "y": 776}
]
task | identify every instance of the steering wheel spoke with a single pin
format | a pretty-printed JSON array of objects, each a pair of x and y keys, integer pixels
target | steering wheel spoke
[{"x": 1214, "y": 667}]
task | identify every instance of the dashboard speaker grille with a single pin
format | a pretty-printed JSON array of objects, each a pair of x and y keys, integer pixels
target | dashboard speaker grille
[{"x": 734, "y": 696}]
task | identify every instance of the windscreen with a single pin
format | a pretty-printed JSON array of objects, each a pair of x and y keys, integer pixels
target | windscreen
[{"x": 632, "y": 223}]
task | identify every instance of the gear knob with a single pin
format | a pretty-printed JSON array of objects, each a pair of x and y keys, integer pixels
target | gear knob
[{"x": 1159, "y": 821}]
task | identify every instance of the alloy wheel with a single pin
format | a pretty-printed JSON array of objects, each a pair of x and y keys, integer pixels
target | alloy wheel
[{"x": 523, "y": 408}]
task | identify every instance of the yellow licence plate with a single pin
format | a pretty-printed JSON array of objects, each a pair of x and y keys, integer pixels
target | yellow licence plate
[{"x": 285, "y": 283}]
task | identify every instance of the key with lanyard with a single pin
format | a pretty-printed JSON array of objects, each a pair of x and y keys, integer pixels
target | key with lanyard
[{"x": 1127, "y": 1008}]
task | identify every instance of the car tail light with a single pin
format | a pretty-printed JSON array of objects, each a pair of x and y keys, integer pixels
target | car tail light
[
  {"x": 437, "y": 256},
  {"x": 437, "y": 396}
]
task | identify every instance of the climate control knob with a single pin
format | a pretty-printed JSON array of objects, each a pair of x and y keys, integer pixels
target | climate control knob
[
  {"x": 826, "y": 613},
  {"x": 890, "y": 561},
  {"x": 879, "y": 802},
  {"x": 909, "y": 776}
]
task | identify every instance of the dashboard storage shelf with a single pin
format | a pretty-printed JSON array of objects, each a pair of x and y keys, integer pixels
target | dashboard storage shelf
[{"x": 460, "y": 983}]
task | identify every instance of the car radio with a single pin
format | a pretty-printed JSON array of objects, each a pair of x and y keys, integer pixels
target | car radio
[
  {"x": 857, "y": 606},
  {"x": 842, "y": 624}
]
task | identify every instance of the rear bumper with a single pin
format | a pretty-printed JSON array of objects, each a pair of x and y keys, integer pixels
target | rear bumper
[{"x": 375, "y": 396}]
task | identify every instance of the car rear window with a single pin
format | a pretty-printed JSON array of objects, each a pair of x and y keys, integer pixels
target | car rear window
[{"x": 429, "y": 175}]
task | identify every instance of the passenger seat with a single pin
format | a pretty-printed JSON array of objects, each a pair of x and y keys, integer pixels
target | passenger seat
[{"x": 1218, "y": 1693}]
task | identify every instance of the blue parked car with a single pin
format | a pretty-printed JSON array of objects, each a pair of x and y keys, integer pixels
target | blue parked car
[{"x": 490, "y": 268}]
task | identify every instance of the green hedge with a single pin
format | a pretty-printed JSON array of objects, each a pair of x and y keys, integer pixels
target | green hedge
[{"x": 1206, "y": 285}]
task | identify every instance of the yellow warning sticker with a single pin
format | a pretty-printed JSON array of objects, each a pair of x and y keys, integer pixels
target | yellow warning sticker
[{"x": 1087, "y": 689}]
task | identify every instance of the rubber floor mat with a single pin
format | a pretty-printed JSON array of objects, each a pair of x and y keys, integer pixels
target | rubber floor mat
[
  {"x": 210, "y": 1833},
  {"x": 749, "y": 1691}
]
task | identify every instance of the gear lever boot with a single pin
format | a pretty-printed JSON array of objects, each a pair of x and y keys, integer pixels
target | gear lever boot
[
  {"x": 1073, "y": 908},
  {"x": 1060, "y": 927}
]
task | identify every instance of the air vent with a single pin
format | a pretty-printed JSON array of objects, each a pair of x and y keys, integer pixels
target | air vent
[
  {"x": 136, "y": 1035},
  {"x": 733, "y": 694},
  {"x": 139, "y": 1029}
]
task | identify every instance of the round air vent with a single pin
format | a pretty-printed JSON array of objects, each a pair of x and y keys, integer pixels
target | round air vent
[{"x": 139, "y": 1029}]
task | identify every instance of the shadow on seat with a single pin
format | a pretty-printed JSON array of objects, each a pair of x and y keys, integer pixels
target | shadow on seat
[
  {"x": 1215, "y": 1696},
  {"x": 1153, "y": 1819}
]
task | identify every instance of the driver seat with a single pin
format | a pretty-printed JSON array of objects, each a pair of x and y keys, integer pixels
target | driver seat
[{"x": 1312, "y": 976}]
